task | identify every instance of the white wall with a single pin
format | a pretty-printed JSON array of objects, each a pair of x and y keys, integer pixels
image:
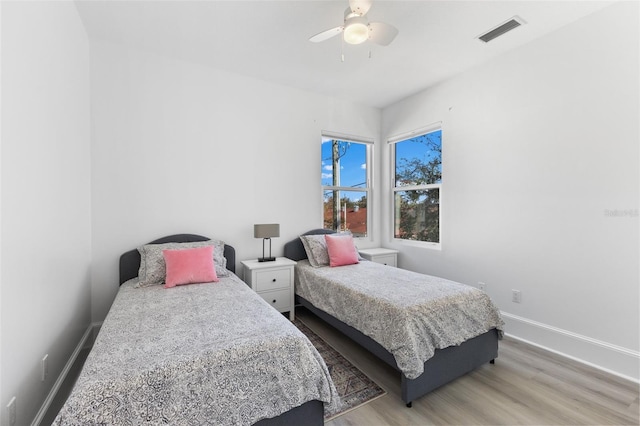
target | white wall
[
  {"x": 537, "y": 146},
  {"x": 179, "y": 147},
  {"x": 46, "y": 218}
]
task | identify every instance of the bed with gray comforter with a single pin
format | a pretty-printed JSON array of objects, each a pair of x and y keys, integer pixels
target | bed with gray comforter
[
  {"x": 430, "y": 329},
  {"x": 213, "y": 353},
  {"x": 409, "y": 314}
]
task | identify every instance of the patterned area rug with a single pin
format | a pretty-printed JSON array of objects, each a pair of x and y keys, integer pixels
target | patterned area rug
[{"x": 353, "y": 386}]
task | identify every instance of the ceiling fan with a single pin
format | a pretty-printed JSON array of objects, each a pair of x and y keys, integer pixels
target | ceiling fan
[{"x": 357, "y": 29}]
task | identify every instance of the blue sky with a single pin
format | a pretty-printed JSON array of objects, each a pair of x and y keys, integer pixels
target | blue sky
[
  {"x": 412, "y": 148},
  {"x": 353, "y": 171},
  {"x": 353, "y": 165}
]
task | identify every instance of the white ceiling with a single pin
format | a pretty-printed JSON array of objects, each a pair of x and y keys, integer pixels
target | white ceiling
[{"x": 269, "y": 39}]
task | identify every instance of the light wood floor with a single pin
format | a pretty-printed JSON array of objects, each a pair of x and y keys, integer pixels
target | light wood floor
[{"x": 526, "y": 386}]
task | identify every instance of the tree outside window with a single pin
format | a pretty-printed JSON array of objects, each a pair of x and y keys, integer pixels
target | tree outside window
[{"x": 417, "y": 187}]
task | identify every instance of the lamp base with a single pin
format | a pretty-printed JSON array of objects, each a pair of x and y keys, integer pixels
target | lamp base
[{"x": 266, "y": 259}]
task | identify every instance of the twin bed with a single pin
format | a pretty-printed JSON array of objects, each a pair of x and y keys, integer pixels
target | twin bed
[
  {"x": 216, "y": 353},
  {"x": 212, "y": 353},
  {"x": 430, "y": 329}
]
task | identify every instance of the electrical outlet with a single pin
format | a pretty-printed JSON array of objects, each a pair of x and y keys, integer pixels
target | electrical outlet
[
  {"x": 516, "y": 296},
  {"x": 44, "y": 367},
  {"x": 11, "y": 409},
  {"x": 482, "y": 286}
]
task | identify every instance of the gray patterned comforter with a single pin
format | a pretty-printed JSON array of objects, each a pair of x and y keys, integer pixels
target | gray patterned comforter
[
  {"x": 194, "y": 355},
  {"x": 409, "y": 314}
]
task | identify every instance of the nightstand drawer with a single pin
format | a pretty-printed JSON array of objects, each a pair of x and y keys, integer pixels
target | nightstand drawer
[
  {"x": 279, "y": 299},
  {"x": 273, "y": 279},
  {"x": 386, "y": 260}
]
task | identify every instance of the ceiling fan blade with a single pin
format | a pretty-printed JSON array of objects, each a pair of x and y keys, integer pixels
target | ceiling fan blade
[
  {"x": 360, "y": 6},
  {"x": 325, "y": 35},
  {"x": 381, "y": 33}
]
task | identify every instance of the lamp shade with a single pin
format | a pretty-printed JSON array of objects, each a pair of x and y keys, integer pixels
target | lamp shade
[{"x": 266, "y": 230}]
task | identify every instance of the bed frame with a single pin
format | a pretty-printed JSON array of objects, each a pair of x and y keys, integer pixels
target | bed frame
[
  {"x": 446, "y": 364},
  {"x": 309, "y": 413}
]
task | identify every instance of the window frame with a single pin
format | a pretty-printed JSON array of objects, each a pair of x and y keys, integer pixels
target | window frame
[
  {"x": 367, "y": 189},
  {"x": 391, "y": 142}
]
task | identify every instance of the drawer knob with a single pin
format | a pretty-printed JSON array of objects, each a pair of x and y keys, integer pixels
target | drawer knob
[
  {"x": 274, "y": 280},
  {"x": 274, "y": 301}
]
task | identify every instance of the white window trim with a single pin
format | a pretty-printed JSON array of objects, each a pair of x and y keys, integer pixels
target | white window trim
[
  {"x": 392, "y": 141},
  {"x": 415, "y": 132},
  {"x": 347, "y": 137},
  {"x": 369, "y": 144}
]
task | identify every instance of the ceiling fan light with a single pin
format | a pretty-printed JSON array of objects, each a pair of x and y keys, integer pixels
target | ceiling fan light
[{"x": 356, "y": 31}]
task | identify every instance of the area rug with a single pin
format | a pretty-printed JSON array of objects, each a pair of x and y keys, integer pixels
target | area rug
[{"x": 354, "y": 387}]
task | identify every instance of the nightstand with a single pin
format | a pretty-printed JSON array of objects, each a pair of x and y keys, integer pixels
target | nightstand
[
  {"x": 381, "y": 255},
  {"x": 273, "y": 281}
]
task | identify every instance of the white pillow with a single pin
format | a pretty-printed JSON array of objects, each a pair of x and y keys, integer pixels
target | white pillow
[{"x": 316, "y": 248}]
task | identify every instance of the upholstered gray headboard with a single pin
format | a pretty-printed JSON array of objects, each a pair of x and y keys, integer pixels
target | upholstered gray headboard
[
  {"x": 130, "y": 261},
  {"x": 294, "y": 249}
]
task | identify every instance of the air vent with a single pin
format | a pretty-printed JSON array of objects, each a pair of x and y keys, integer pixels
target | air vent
[{"x": 501, "y": 29}]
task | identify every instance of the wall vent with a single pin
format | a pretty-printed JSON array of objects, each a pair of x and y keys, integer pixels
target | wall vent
[{"x": 501, "y": 29}]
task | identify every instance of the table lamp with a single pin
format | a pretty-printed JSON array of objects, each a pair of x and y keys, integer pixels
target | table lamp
[{"x": 266, "y": 231}]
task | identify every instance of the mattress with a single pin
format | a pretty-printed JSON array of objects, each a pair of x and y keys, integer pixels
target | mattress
[
  {"x": 211, "y": 353},
  {"x": 409, "y": 314}
]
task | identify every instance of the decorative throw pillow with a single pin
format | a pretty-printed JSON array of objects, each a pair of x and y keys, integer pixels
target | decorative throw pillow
[
  {"x": 189, "y": 266},
  {"x": 341, "y": 249},
  {"x": 316, "y": 248},
  {"x": 152, "y": 267}
]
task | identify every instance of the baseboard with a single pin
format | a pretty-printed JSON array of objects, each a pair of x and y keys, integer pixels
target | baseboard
[
  {"x": 86, "y": 341},
  {"x": 616, "y": 360},
  {"x": 96, "y": 329}
]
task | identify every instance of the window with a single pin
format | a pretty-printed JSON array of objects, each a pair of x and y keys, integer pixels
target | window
[
  {"x": 345, "y": 185},
  {"x": 417, "y": 186}
]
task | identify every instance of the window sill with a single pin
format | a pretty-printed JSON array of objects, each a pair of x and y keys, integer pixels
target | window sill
[{"x": 421, "y": 244}]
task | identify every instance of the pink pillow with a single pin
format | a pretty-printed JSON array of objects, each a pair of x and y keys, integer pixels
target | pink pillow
[
  {"x": 341, "y": 250},
  {"x": 189, "y": 266}
]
